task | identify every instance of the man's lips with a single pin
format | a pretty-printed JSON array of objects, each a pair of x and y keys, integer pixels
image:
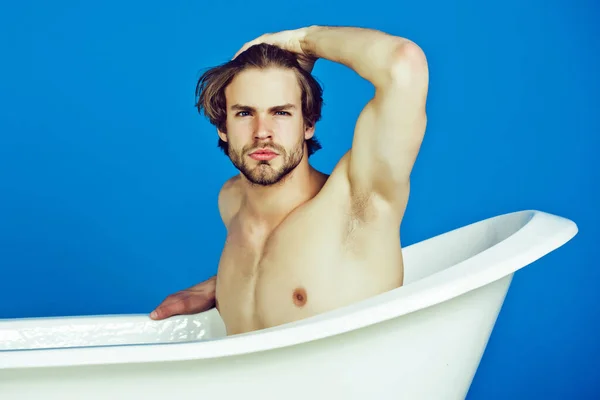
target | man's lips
[{"x": 263, "y": 154}]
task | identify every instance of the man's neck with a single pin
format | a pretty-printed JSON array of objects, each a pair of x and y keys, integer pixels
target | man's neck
[{"x": 271, "y": 204}]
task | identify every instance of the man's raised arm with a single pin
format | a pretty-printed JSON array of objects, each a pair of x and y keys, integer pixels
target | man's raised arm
[{"x": 390, "y": 129}]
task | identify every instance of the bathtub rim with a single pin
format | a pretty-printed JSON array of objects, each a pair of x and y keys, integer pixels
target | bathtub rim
[{"x": 539, "y": 235}]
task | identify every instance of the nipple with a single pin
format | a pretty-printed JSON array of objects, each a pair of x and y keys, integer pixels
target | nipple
[{"x": 299, "y": 297}]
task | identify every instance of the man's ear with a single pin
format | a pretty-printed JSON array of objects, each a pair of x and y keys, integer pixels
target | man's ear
[
  {"x": 222, "y": 135},
  {"x": 309, "y": 132}
]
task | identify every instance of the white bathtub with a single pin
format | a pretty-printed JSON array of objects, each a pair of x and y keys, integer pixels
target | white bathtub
[{"x": 421, "y": 341}]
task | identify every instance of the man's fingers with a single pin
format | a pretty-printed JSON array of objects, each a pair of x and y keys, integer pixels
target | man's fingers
[
  {"x": 247, "y": 45},
  {"x": 173, "y": 304},
  {"x": 166, "y": 311},
  {"x": 183, "y": 303},
  {"x": 243, "y": 49}
]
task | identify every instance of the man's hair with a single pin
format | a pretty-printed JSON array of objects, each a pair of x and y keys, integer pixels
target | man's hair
[{"x": 210, "y": 90}]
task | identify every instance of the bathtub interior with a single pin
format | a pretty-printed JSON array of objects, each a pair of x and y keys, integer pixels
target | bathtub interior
[
  {"x": 421, "y": 260},
  {"x": 443, "y": 251}
]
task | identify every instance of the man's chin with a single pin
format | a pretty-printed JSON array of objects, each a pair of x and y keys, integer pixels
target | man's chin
[
  {"x": 265, "y": 172},
  {"x": 263, "y": 180},
  {"x": 262, "y": 175}
]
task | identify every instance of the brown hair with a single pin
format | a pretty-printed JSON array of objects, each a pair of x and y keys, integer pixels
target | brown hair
[{"x": 210, "y": 89}]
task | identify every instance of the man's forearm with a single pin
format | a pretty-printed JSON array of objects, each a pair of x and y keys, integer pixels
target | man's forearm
[{"x": 368, "y": 52}]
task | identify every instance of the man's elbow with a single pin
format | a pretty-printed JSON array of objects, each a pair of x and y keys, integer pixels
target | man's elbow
[{"x": 407, "y": 65}]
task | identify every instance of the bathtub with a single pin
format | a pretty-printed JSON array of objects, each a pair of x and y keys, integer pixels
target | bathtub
[{"x": 421, "y": 341}]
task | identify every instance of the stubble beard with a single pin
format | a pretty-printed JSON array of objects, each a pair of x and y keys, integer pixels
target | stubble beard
[{"x": 264, "y": 174}]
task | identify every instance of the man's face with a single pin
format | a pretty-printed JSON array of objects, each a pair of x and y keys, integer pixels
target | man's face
[{"x": 265, "y": 128}]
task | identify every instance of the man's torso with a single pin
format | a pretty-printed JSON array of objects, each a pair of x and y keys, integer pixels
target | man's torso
[{"x": 323, "y": 255}]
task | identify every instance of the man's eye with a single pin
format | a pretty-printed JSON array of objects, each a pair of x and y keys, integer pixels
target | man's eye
[
  {"x": 243, "y": 113},
  {"x": 283, "y": 113}
]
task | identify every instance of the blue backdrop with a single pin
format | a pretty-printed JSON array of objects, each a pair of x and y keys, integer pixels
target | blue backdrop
[{"x": 109, "y": 177}]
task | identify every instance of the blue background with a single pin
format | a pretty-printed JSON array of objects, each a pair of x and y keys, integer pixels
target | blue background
[{"x": 109, "y": 177}]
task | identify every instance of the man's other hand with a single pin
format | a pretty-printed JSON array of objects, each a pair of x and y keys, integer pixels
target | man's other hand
[{"x": 196, "y": 299}]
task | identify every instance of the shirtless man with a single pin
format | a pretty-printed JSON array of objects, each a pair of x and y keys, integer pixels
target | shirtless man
[{"x": 299, "y": 242}]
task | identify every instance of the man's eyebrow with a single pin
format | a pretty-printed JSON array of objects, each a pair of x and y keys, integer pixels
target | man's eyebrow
[
  {"x": 242, "y": 107},
  {"x": 282, "y": 107}
]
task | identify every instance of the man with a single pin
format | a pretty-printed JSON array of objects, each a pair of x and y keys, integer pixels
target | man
[{"x": 299, "y": 242}]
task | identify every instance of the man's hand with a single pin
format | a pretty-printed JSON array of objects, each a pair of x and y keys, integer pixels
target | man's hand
[
  {"x": 196, "y": 299},
  {"x": 291, "y": 40}
]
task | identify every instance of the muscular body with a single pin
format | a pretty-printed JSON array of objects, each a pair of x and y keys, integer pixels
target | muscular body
[{"x": 312, "y": 243}]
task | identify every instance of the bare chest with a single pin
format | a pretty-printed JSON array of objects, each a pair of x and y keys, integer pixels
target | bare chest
[
  {"x": 265, "y": 274},
  {"x": 311, "y": 264}
]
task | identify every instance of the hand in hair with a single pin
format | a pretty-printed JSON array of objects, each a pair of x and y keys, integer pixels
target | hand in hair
[{"x": 291, "y": 40}]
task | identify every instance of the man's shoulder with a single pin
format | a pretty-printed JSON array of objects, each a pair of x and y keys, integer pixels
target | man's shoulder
[
  {"x": 229, "y": 199},
  {"x": 230, "y": 184}
]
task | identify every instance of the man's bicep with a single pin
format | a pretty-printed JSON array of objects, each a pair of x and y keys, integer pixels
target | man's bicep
[{"x": 388, "y": 137}]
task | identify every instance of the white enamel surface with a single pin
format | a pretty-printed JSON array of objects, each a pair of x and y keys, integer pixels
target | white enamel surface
[
  {"x": 57, "y": 332},
  {"x": 421, "y": 341}
]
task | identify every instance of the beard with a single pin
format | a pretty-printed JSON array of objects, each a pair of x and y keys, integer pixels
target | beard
[{"x": 264, "y": 173}]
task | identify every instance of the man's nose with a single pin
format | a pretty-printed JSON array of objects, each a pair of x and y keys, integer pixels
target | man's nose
[{"x": 263, "y": 128}]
